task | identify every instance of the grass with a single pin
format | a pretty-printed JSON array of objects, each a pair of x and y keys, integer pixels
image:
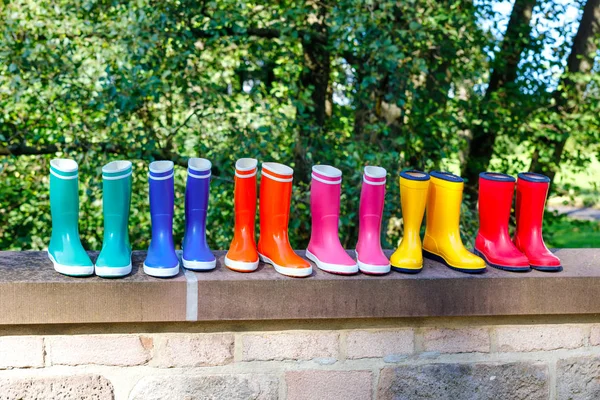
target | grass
[
  {"x": 577, "y": 189},
  {"x": 574, "y": 188},
  {"x": 563, "y": 232}
]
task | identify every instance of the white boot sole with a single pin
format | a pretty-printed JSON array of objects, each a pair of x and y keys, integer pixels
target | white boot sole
[
  {"x": 71, "y": 270},
  {"x": 243, "y": 266},
  {"x": 332, "y": 268},
  {"x": 113, "y": 272},
  {"x": 199, "y": 265},
  {"x": 372, "y": 269},
  {"x": 161, "y": 272},
  {"x": 293, "y": 272}
]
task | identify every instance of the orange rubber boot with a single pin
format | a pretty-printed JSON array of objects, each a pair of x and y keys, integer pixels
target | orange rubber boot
[
  {"x": 275, "y": 198},
  {"x": 242, "y": 255}
]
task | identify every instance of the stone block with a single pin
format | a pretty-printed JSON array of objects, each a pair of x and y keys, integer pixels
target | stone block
[
  {"x": 578, "y": 378},
  {"x": 118, "y": 350},
  {"x": 330, "y": 385},
  {"x": 378, "y": 344},
  {"x": 75, "y": 387},
  {"x": 522, "y": 380},
  {"x": 214, "y": 387},
  {"x": 194, "y": 350},
  {"x": 303, "y": 345}
]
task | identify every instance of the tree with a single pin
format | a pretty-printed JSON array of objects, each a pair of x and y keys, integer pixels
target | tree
[
  {"x": 570, "y": 93},
  {"x": 500, "y": 89},
  {"x": 346, "y": 83}
]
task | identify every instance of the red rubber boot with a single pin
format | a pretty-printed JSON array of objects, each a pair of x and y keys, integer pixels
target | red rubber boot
[
  {"x": 493, "y": 242},
  {"x": 532, "y": 190}
]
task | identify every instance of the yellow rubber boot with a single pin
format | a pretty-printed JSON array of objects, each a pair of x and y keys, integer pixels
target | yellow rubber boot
[
  {"x": 408, "y": 258},
  {"x": 442, "y": 237}
]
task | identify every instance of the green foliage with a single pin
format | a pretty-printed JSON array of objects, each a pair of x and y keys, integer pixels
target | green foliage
[
  {"x": 100, "y": 80},
  {"x": 562, "y": 231}
]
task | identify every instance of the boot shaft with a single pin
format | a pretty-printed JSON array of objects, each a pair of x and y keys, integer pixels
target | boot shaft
[
  {"x": 116, "y": 197},
  {"x": 325, "y": 192},
  {"x": 414, "y": 186},
  {"x": 162, "y": 197},
  {"x": 532, "y": 190},
  {"x": 64, "y": 194},
  {"x": 245, "y": 194},
  {"x": 197, "y": 191},
  {"x": 275, "y": 199},
  {"x": 443, "y": 204},
  {"x": 496, "y": 192},
  {"x": 372, "y": 198}
]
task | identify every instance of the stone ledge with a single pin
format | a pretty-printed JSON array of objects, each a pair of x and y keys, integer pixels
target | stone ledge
[{"x": 32, "y": 293}]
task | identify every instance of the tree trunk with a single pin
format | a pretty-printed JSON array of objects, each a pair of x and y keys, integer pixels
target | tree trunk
[
  {"x": 314, "y": 78},
  {"x": 504, "y": 74},
  {"x": 581, "y": 60}
]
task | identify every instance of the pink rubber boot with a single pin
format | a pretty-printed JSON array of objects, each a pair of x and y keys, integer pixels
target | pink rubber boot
[
  {"x": 324, "y": 248},
  {"x": 369, "y": 254}
]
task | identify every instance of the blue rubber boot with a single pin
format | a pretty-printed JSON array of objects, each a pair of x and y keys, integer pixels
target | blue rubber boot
[
  {"x": 196, "y": 254},
  {"x": 65, "y": 249},
  {"x": 161, "y": 260},
  {"x": 114, "y": 260}
]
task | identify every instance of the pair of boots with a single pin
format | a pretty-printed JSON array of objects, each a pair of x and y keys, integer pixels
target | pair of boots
[
  {"x": 65, "y": 250},
  {"x": 441, "y": 193},
  {"x": 161, "y": 260},
  {"x": 275, "y": 200},
  {"x": 527, "y": 249},
  {"x": 324, "y": 248}
]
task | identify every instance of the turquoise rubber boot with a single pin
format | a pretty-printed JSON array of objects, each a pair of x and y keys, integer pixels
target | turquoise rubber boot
[
  {"x": 65, "y": 249},
  {"x": 114, "y": 260}
]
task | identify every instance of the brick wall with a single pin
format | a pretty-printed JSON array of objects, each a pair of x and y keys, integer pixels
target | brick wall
[{"x": 556, "y": 358}]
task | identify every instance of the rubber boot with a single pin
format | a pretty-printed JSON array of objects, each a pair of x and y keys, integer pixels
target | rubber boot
[
  {"x": 115, "y": 258},
  {"x": 369, "y": 255},
  {"x": 275, "y": 199},
  {"x": 408, "y": 257},
  {"x": 532, "y": 190},
  {"x": 493, "y": 242},
  {"x": 324, "y": 248},
  {"x": 65, "y": 249},
  {"x": 242, "y": 255},
  {"x": 442, "y": 236},
  {"x": 196, "y": 254},
  {"x": 161, "y": 260}
]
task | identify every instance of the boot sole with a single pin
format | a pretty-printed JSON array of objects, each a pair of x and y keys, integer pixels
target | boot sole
[
  {"x": 372, "y": 269},
  {"x": 407, "y": 270},
  {"x": 502, "y": 267},
  {"x": 71, "y": 270},
  {"x": 293, "y": 272},
  {"x": 241, "y": 266},
  {"x": 199, "y": 265},
  {"x": 547, "y": 269},
  {"x": 161, "y": 272},
  {"x": 440, "y": 259},
  {"x": 337, "y": 269},
  {"x": 113, "y": 272}
]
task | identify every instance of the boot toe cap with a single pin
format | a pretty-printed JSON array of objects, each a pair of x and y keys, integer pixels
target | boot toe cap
[
  {"x": 548, "y": 261},
  {"x": 401, "y": 262},
  {"x": 469, "y": 263}
]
